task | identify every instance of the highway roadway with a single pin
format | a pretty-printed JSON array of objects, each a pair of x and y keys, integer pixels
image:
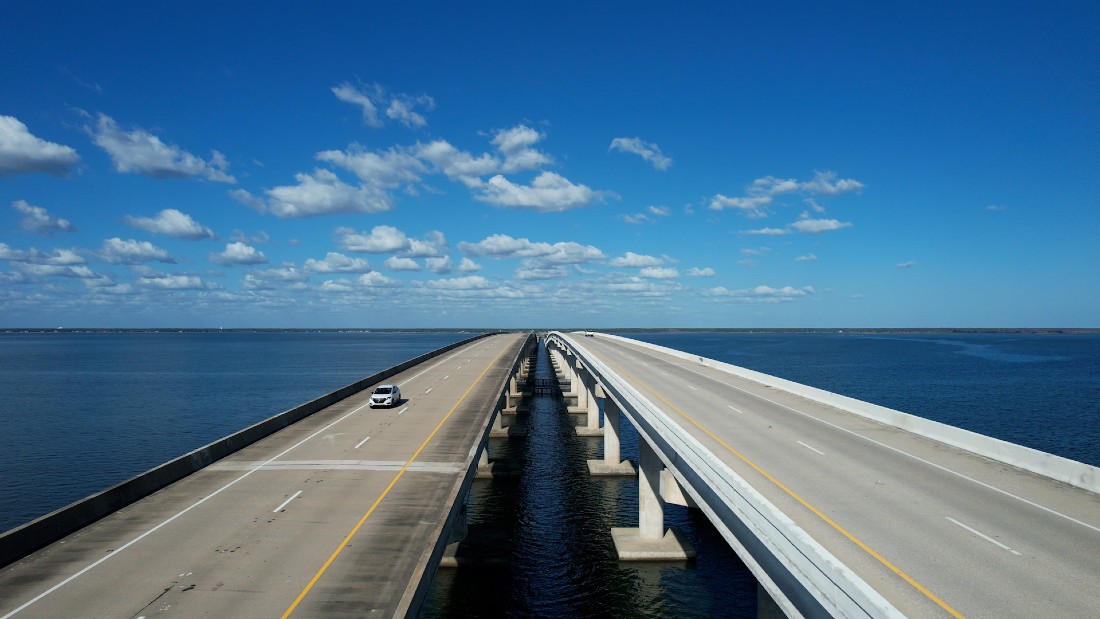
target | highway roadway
[
  {"x": 334, "y": 516},
  {"x": 938, "y": 531}
]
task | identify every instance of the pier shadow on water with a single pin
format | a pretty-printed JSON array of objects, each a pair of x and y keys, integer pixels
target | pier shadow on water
[{"x": 562, "y": 562}]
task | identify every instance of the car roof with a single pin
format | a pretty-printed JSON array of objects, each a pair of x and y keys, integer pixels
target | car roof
[{"x": 390, "y": 386}]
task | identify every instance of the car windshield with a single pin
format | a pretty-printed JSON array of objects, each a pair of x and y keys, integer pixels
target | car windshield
[{"x": 382, "y": 390}]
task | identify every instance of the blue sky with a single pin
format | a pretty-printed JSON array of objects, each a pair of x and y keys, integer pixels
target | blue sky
[{"x": 566, "y": 164}]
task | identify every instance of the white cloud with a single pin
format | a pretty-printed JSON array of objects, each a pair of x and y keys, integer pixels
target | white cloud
[
  {"x": 908, "y": 264},
  {"x": 633, "y": 260},
  {"x": 760, "y": 294},
  {"x": 767, "y": 232},
  {"x": 320, "y": 193},
  {"x": 755, "y": 251},
  {"x": 456, "y": 164},
  {"x": 515, "y": 144},
  {"x": 394, "y": 263},
  {"x": 806, "y": 258},
  {"x": 433, "y": 245},
  {"x": 387, "y": 168},
  {"x": 141, "y": 152},
  {"x": 171, "y": 222},
  {"x": 165, "y": 281},
  {"x": 504, "y": 246},
  {"x": 374, "y": 279},
  {"x": 468, "y": 266},
  {"x": 56, "y": 270},
  {"x": 659, "y": 211},
  {"x": 751, "y": 206},
  {"x": 996, "y": 208},
  {"x": 60, "y": 257},
  {"x": 238, "y": 253},
  {"x": 339, "y": 285},
  {"x": 336, "y": 263},
  {"x": 380, "y": 240},
  {"x": 470, "y": 282},
  {"x": 541, "y": 273},
  {"x": 697, "y": 272},
  {"x": 548, "y": 192},
  {"x": 770, "y": 185},
  {"x": 818, "y": 226},
  {"x": 824, "y": 183},
  {"x": 637, "y": 218},
  {"x": 21, "y": 152},
  {"x": 118, "y": 251},
  {"x": 441, "y": 265},
  {"x": 402, "y": 109},
  {"x": 659, "y": 273},
  {"x": 350, "y": 94},
  {"x": 36, "y": 219},
  {"x": 646, "y": 150}
]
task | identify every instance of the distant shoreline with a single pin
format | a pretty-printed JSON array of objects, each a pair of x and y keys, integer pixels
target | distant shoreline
[{"x": 845, "y": 330}]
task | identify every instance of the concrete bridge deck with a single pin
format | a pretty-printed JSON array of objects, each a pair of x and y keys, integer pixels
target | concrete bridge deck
[
  {"x": 935, "y": 530},
  {"x": 338, "y": 515}
]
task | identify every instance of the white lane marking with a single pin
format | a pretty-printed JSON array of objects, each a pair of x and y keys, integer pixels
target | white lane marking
[
  {"x": 360, "y": 444},
  {"x": 694, "y": 387},
  {"x": 427, "y": 369},
  {"x": 885, "y": 446},
  {"x": 429, "y": 390},
  {"x": 664, "y": 372},
  {"x": 446, "y": 377},
  {"x": 739, "y": 412},
  {"x": 402, "y": 411},
  {"x": 810, "y": 448},
  {"x": 286, "y": 502},
  {"x": 982, "y": 535},
  {"x": 156, "y": 528}
]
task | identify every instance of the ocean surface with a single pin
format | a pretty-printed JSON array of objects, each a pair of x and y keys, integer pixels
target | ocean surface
[{"x": 82, "y": 411}]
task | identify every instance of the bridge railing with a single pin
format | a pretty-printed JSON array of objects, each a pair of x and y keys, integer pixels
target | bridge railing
[{"x": 803, "y": 578}]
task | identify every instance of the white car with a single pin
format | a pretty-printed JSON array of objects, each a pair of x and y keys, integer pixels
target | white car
[{"x": 385, "y": 395}]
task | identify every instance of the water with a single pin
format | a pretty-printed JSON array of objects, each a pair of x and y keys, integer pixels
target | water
[{"x": 80, "y": 412}]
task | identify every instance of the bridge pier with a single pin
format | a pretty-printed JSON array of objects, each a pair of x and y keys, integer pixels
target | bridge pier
[
  {"x": 650, "y": 541},
  {"x": 612, "y": 464}
]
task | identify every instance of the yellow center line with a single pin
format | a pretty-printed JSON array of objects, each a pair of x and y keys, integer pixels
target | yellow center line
[
  {"x": 393, "y": 482},
  {"x": 804, "y": 502}
]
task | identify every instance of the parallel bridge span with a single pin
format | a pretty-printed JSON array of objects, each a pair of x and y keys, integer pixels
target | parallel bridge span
[{"x": 846, "y": 509}]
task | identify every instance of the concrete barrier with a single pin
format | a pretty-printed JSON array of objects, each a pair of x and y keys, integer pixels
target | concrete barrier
[
  {"x": 23, "y": 540},
  {"x": 802, "y": 577},
  {"x": 1046, "y": 464}
]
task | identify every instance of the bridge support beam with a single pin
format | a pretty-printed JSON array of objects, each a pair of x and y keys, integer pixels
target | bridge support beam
[
  {"x": 588, "y": 404},
  {"x": 611, "y": 463},
  {"x": 650, "y": 541}
]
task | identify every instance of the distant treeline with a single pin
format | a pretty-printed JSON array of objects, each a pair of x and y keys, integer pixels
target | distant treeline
[{"x": 857, "y": 330}]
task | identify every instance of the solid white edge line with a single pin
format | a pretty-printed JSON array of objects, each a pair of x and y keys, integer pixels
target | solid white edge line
[
  {"x": 286, "y": 502},
  {"x": 982, "y": 535},
  {"x": 880, "y": 444},
  {"x": 810, "y": 448}
]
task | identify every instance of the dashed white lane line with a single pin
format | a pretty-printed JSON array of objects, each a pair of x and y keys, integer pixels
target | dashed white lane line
[
  {"x": 429, "y": 390},
  {"x": 446, "y": 377},
  {"x": 693, "y": 387},
  {"x": 739, "y": 412},
  {"x": 402, "y": 411},
  {"x": 360, "y": 444},
  {"x": 981, "y": 535},
  {"x": 810, "y": 448},
  {"x": 286, "y": 502}
]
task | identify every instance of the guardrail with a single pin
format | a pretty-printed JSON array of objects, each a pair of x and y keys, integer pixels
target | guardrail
[
  {"x": 803, "y": 578},
  {"x": 23, "y": 540}
]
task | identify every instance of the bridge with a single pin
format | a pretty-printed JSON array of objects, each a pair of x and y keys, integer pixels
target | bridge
[{"x": 839, "y": 507}]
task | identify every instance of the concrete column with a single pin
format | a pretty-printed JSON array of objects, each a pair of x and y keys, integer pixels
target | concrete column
[
  {"x": 593, "y": 403},
  {"x": 651, "y": 515},
  {"x": 611, "y": 449},
  {"x": 582, "y": 385}
]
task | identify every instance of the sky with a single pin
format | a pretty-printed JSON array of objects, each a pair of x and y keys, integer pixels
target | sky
[{"x": 566, "y": 164}]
